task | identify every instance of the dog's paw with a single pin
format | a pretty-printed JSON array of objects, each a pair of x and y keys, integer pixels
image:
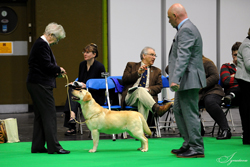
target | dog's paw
[
  {"x": 92, "y": 150},
  {"x": 144, "y": 150}
]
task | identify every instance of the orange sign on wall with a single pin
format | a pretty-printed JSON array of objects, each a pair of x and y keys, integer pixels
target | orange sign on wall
[{"x": 6, "y": 48}]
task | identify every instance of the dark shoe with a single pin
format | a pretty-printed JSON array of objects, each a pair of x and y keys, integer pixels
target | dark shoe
[
  {"x": 70, "y": 132},
  {"x": 178, "y": 151},
  {"x": 190, "y": 154},
  {"x": 161, "y": 110},
  {"x": 61, "y": 151},
  {"x": 40, "y": 151},
  {"x": 225, "y": 134},
  {"x": 72, "y": 121},
  {"x": 246, "y": 141}
]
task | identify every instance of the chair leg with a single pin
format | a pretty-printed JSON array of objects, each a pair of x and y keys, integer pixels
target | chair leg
[
  {"x": 166, "y": 119},
  {"x": 80, "y": 121},
  {"x": 113, "y": 137},
  {"x": 232, "y": 120},
  {"x": 125, "y": 135},
  {"x": 157, "y": 127},
  {"x": 172, "y": 119},
  {"x": 90, "y": 135},
  {"x": 213, "y": 129}
]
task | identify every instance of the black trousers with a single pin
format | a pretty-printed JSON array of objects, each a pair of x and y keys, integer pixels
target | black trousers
[
  {"x": 212, "y": 103},
  {"x": 244, "y": 108},
  {"x": 45, "y": 123}
]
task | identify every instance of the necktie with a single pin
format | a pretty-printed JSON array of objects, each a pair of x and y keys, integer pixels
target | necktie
[{"x": 143, "y": 79}]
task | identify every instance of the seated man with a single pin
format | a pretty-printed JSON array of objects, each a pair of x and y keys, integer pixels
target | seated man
[
  {"x": 146, "y": 79},
  {"x": 230, "y": 84},
  {"x": 210, "y": 97}
]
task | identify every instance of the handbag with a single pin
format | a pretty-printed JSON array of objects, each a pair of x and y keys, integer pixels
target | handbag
[
  {"x": 3, "y": 136},
  {"x": 11, "y": 131}
]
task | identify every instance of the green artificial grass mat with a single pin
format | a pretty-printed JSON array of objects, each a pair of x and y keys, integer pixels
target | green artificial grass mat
[{"x": 123, "y": 152}]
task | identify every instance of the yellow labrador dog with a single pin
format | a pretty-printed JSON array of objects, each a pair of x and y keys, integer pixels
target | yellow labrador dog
[{"x": 101, "y": 120}]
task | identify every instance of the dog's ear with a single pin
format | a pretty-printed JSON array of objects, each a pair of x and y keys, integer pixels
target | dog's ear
[{"x": 87, "y": 97}]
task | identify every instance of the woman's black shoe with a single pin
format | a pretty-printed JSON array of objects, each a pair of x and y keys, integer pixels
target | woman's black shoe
[
  {"x": 72, "y": 121},
  {"x": 70, "y": 132}
]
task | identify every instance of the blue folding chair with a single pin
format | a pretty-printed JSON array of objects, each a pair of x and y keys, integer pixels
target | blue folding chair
[
  {"x": 98, "y": 84},
  {"x": 120, "y": 92},
  {"x": 165, "y": 84}
]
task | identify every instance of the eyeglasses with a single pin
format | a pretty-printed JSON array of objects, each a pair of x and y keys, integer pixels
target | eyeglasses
[
  {"x": 154, "y": 55},
  {"x": 234, "y": 54}
]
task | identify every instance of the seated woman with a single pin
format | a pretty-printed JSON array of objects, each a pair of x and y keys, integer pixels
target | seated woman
[
  {"x": 210, "y": 97},
  {"x": 88, "y": 69}
]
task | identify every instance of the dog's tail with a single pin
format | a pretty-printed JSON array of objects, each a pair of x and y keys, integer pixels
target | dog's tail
[{"x": 145, "y": 126}]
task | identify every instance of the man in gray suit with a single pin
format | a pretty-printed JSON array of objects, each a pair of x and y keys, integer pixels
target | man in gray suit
[{"x": 186, "y": 77}]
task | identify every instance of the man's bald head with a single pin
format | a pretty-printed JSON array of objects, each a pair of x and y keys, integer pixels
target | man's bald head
[{"x": 176, "y": 13}]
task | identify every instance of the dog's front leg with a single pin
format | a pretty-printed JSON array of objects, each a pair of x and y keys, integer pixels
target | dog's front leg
[{"x": 95, "y": 135}]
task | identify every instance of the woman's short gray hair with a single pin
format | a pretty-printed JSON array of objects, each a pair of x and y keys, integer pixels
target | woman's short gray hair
[
  {"x": 145, "y": 51},
  {"x": 56, "y": 29}
]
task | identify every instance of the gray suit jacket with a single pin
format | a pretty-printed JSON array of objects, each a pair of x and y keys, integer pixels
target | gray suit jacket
[
  {"x": 185, "y": 58},
  {"x": 243, "y": 61}
]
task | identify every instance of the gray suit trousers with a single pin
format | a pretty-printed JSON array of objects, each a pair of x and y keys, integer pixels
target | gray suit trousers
[{"x": 186, "y": 112}]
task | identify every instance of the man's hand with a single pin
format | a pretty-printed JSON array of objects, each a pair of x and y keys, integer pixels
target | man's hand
[
  {"x": 142, "y": 69},
  {"x": 174, "y": 87}
]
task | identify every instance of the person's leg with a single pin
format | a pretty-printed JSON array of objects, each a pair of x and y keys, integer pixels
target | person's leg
[
  {"x": 190, "y": 111},
  {"x": 141, "y": 99},
  {"x": 213, "y": 107},
  {"x": 244, "y": 108},
  {"x": 178, "y": 114},
  {"x": 145, "y": 102},
  {"x": 38, "y": 139},
  {"x": 46, "y": 108}
]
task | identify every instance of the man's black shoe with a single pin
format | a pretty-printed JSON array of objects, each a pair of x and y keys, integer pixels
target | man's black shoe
[
  {"x": 190, "y": 154},
  {"x": 178, "y": 151},
  {"x": 225, "y": 134},
  {"x": 61, "y": 151}
]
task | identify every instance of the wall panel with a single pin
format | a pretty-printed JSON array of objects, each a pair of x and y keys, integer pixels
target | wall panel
[
  {"x": 234, "y": 26},
  {"x": 132, "y": 26}
]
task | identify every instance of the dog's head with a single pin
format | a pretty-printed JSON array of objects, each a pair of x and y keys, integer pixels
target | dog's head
[{"x": 81, "y": 95}]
